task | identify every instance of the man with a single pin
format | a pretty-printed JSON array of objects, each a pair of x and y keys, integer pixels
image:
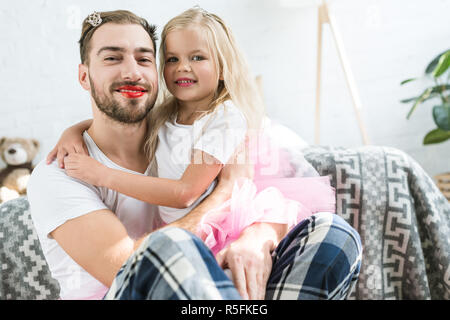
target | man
[{"x": 98, "y": 241}]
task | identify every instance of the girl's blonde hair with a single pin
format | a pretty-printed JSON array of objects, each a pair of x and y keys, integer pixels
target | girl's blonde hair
[{"x": 238, "y": 85}]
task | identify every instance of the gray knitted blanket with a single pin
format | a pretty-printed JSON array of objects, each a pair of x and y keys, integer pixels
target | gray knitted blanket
[{"x": 402, "y": 217}]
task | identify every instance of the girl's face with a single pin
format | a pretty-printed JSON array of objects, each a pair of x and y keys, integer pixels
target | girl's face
[{"x": 190, "y": 71}]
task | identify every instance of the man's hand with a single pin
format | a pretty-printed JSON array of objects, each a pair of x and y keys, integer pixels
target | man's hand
[{"x": 249, "y": 258}]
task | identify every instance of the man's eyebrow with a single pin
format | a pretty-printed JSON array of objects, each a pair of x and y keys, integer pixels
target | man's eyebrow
[
  {"x": 120, "y": 49},
  {"x": 110, "y": 48},
  {"x": 145, "y": 49}
]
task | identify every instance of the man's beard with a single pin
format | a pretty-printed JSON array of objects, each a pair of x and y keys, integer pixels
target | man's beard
[{"x": 129, "y": 113}]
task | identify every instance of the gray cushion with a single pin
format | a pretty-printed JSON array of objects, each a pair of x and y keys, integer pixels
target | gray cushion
[
  {"x": 402, "y": 217},
  {"x": 24, "y": 270}
]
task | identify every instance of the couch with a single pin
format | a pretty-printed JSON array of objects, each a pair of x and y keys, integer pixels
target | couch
[{"x": 402, "y": 217}]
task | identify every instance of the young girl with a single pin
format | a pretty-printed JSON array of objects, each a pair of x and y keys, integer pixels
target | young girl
[{"x": 211, "y": 104}]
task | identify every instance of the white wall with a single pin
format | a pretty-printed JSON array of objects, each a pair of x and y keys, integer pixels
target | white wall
[{"x": 386, "y": 42}]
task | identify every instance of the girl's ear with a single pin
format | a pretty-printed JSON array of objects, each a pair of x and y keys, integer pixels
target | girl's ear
[{"x": 83, "y": 76}]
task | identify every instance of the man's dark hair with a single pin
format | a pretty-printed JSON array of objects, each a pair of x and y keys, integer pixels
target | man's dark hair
[{"x": 119, "y": 17}]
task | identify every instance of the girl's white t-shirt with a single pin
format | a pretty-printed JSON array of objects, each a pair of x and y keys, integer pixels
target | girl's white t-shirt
[{"x": 218, "y": 134}]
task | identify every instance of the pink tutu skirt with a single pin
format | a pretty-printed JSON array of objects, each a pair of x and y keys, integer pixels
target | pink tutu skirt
[{"x": 276, "y": 195}]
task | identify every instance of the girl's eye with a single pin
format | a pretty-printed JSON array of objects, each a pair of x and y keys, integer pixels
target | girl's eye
[
  {"x": 197, "y": 58},
  {"x": 172, "y": 59},
  {"x": 146, "y": 60}
]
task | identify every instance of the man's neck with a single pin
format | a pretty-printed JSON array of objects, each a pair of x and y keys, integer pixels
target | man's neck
[{"x": 121, "y": 143}]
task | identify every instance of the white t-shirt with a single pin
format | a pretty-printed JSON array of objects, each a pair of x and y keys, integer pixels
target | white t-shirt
[
  {"x": 55, "y": 198},
  {"x": 218, "y": 134}
]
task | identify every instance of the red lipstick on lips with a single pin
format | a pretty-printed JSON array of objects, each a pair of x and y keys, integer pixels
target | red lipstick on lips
[
  {"x": 184, "y": 82},
  {"x": 131, "y": 92}
]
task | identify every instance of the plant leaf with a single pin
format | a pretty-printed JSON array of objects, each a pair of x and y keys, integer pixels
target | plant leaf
[
  {"x": 440, "y": 88},
  {"x": 436, "y": 136},
  {"x": 432, "y": 65},
  {"x": 425, "y": 95},
  {"x": 433, "y": 94},
  {"x": 441, "y": 116},
  {"x": 408, "y": 100},
  {"x": 443, "y": 65},
  {"x": 407, "y": 80}
]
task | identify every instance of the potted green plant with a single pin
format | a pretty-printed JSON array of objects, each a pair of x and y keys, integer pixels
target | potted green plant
[{"x": 438, "y": 70}]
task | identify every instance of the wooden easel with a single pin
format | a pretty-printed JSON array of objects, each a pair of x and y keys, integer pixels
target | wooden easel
[{"x": 324, "y": 16}]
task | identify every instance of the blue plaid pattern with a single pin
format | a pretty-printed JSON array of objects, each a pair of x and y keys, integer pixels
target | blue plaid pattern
[
  {"x": 172, "y": 264},
  {"x": 319, "y": 259}
]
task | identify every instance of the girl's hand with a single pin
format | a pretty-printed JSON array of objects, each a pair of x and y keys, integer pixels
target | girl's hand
[
  {"x": 70, "y": 142},
  {"x": 85, "y": 168}
]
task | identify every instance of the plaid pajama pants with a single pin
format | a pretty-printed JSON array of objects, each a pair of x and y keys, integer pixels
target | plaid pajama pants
[{"x": 320, "y": 258}]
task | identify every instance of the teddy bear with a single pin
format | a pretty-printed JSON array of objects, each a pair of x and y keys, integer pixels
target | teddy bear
[{"x": 18, "y": 154}]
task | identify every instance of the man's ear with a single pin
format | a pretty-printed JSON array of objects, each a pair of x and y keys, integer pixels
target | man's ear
[{"x": 83, "y": 76}]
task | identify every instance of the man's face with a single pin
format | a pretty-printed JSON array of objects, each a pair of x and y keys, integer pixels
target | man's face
[{"x": 122, "y": 75}]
